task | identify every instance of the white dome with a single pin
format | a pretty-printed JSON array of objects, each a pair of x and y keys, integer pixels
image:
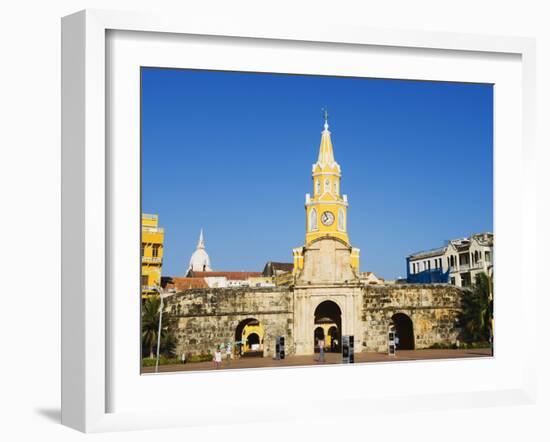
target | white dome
[{"x": 200, "y": 261}]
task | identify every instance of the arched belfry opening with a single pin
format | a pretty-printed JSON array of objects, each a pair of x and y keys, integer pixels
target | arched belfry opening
[
  {"x": 249, "y": 338},
  {"x": 405, "y": 331},
  {"x": 327, "y": 326}
]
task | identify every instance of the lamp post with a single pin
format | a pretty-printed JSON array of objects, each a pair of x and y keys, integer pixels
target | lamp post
[{"x": 159, "y": 291}]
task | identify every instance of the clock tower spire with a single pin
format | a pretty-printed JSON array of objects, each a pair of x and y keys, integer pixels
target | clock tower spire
[{"x": 326, "y": 207}]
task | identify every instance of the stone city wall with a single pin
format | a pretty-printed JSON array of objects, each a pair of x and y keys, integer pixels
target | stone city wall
[{"x": 207, "y": 318}]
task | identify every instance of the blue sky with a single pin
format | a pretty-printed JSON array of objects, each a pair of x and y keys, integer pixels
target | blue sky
[{"x": 232, "y": 152}]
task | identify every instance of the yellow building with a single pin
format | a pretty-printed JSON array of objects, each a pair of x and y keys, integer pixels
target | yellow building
[
  {"x": 326, "y": 208},
  {"x": 152, "y": 249}
]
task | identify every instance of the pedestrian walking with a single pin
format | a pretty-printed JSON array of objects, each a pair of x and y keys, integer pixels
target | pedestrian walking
[
  {"x": 321, "y": 344},
  {"x": 217, "y": 358}
]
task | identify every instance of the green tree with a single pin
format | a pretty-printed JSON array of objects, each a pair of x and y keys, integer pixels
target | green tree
[
  {"x": 476, "y": 315},
  {"x": 150, "y": 326}
]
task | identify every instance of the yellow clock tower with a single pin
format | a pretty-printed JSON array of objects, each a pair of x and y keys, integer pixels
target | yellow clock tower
[{"x": 326, "y": 208}]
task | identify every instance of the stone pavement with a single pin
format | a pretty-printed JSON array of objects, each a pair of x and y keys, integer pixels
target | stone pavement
[{"x": 331, "y": 358}]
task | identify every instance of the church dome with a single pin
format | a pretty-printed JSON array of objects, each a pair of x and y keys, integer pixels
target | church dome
[{"x": 200, "y": 261}]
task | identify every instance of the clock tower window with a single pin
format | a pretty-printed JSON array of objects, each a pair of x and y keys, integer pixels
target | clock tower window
[
  {"x": 341, "y": 220},
  {"x": 313, "y": 220}
]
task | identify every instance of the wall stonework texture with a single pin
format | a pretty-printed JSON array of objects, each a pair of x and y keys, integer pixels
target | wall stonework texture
[
  {"x": 433, "y": 309},
  {"x": 205, "y": 318}
]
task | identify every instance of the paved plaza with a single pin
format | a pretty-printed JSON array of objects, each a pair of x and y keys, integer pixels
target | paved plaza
[{"x": 331, "y": 358}]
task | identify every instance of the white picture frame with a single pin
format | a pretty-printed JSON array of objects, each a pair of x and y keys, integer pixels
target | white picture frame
[{"x": 86, "y": 316}]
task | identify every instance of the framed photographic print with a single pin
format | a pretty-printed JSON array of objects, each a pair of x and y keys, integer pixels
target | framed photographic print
[
  {"x": 313, "y": 304},
  {"x": 315, "y": 218}
]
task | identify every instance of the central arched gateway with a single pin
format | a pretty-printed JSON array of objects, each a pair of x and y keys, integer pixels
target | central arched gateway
[
  {"x": 404, "y": 329},
  {"x": 327, "y": 326}
]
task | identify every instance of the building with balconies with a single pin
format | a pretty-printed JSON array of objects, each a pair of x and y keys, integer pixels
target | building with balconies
[
  {"x": 152, "y": 250},
  {"x": 457, "y": 263}
]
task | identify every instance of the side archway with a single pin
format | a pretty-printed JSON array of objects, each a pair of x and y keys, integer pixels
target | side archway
[
  {"x": 249, "y": 337},
  {"x": 405, "y": 331}
]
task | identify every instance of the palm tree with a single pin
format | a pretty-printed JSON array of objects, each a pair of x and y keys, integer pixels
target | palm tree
[
  {"x": 475, "y": 318},
  {"x": 150, "y": 326}
]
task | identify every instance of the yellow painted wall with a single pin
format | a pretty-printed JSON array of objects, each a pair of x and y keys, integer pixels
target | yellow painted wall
[
  {"x": 326, "y": 328},
  {"x": 248, "y": 330}
]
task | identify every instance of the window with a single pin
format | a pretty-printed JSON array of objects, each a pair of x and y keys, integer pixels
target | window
[
  {"x": 335, "y": 187},
  {"x": 466, "y": 279},
  {"x": 144, "y": 280},
  {"x": 453, "y": 281},
  {"x": 313, "y": 220},
  {"x": 156, "y": 250},
  {"x": 327, "y": 185},
  {"x": 317, "y": 187},
  {"x": 341, "y": 221},
  {"x": 487, "y": 256}
]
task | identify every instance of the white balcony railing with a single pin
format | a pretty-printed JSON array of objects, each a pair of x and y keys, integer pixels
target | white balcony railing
[
  {"x": 153, "y": 229},
  {"x": 467, "y": 267},
  {"x": 151, "y": 259}
]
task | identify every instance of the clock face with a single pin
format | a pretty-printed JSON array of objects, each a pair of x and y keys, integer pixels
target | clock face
[{"x": 327, "y": 218}]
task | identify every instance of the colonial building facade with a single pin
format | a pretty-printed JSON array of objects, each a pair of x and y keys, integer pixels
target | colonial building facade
[
  {"x": 457, "y": 263},
  {"x": 326, "y": 296}
]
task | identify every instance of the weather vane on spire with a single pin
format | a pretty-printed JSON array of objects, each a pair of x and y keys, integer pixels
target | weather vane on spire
[{"x": 325, "y": 114}]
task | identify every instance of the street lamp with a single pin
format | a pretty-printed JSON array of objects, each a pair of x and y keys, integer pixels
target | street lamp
[{"x": 158, "y": 289}]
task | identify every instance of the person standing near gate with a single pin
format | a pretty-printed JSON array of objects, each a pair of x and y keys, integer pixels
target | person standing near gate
[
  {"x": 228, "y": 353},
  {"x": 217, "y": 358},
  {"x": 321, "y": 350}
]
